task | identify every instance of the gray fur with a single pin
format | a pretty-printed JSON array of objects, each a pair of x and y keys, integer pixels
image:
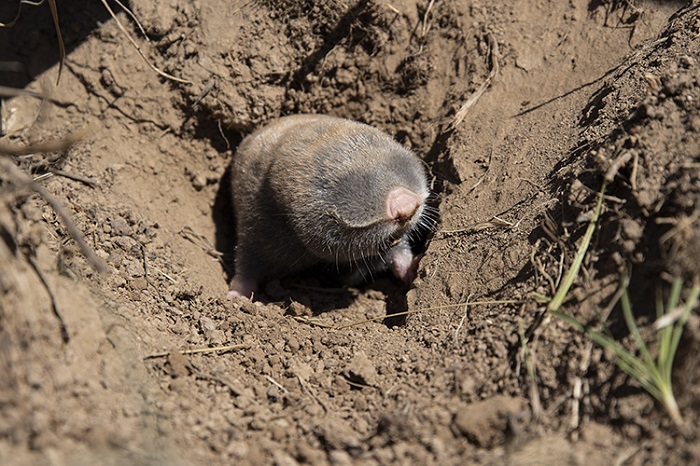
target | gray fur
[{"x": 312, "y": 188}]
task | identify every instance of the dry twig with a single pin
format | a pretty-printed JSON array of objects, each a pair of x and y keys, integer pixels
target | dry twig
[
  {"x": 13, "y": 92},
  {"x": 74, "y": 177},
  {"x": 13, "y": 150},
  {"x": 25, "y": 181}
]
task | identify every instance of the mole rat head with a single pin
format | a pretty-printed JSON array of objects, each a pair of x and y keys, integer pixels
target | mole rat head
[{"x": 371, "y": 206}]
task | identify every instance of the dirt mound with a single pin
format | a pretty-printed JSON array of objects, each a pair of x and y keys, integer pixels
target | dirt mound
[{"x": 568, "y": 94}]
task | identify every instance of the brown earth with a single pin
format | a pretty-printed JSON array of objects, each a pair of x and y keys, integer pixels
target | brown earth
[{"x": 578, "y": 90}]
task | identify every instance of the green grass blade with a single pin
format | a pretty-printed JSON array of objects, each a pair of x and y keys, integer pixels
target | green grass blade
[
  {"x": 632, "y": 325},
  {"x": 664, "y": 358},
  {"x": 571, "y": 275},
  {"x": 665, "y": 335},
  {"x": 678, "y": 328},
  {"x": 637, "y": 366},
  {"x": 675, "y": 297},
  {"x": 654, "y": 375},
  {"x": 646, "y": 374}
]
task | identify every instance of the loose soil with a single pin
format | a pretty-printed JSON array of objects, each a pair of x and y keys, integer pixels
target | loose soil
[{"x": 573, "y": 92}]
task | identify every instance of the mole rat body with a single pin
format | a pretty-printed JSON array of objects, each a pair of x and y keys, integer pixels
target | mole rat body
[{"x": 310, "y": 189}]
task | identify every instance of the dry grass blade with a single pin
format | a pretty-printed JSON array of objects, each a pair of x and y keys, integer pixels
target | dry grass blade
[
  {"x": 134, "y": 18},
  {"x": 653, "y": 374},
  {"x": 315, "y": 323},
  {"x": 474, "y": 98},
  {"x": 426, "y": 25},
  {"x": 72, "y": 176},
  {"x": 202, "y": 242},
  {"x": 23, "y": 180},
  {"x": 19, "y": 12},
  {"x": 215, "y": 349},
  {"x": 61, "y": 45},
  {"x": 530, "y": 367},
  {"x": 495, "y": 222}
]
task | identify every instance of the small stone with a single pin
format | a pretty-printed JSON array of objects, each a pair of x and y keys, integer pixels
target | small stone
[
  {"x": 216, "y": 336},
  {"x": 206, "y": 324},
  {"x": 484, "y": 422},
  {"x": 339, "y": 458},
  {"x": 344, "y": 77},
  {"x": 283, "y": 459},
  {"x": 273, "y": 393},
  {"x": 360, "y": 404},
  {"x": 199, "y": 182},
  {"x": 362, "y": 370},
  {"x": 120, "y": 227},
  {"x": 139, "y": 284},
  {"x": 298, "y": 309},
  {"x": 687, "y": 61},
  {"x": 279, "y": 430},
  {"x": 211, "y": 330},
  {"x": 238, "y": 449},
  {"x": 338, "y": 435},
  {"x": 293, "y": 344},
  {"x": 178, "y": 364}
]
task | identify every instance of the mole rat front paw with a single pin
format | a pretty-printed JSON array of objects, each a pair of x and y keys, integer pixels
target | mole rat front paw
[
  {"x": 403, "y": 262},
  {"x": 242, "y": 287}
]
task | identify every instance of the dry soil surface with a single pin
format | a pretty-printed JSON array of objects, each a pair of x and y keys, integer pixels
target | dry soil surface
[{"x": 521, "y": 109}]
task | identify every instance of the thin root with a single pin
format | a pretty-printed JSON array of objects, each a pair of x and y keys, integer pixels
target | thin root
[
  {"x": 138, "y": 49},
  {"x": 464, "y": 110}
]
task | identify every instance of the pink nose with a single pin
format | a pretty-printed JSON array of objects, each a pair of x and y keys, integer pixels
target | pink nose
[{"x": 401, "y": 204}]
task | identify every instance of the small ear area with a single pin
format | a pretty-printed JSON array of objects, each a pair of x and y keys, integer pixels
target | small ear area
[{"x": 401, "y": 204}]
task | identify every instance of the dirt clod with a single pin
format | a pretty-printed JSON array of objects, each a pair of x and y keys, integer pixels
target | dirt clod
[{"x": 484, "y": 422}]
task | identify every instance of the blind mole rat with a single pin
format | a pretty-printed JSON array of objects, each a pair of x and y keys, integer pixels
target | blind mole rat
[{"x": 310, "y": 189}]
